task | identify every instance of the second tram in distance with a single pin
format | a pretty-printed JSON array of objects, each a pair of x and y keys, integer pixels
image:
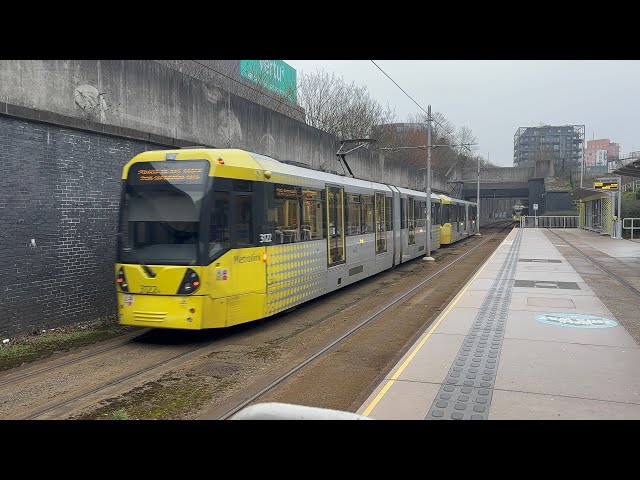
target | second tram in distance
[{"x": 519, "y": 211}]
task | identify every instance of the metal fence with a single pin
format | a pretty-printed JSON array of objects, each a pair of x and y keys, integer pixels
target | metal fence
[
  {"x": 630, "y": 224},
  {"x": 550, "y": 221},
  {"x": 631, "y": 186}
]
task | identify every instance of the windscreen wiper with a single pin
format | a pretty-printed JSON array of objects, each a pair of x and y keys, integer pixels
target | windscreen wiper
[{"x": 147, "y": 269}]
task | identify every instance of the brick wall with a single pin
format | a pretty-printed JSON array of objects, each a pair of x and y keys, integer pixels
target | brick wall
[{"x": 59, "y": 192}]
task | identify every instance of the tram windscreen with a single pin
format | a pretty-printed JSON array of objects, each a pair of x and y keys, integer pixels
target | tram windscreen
[{"x": 160, "y": 213}]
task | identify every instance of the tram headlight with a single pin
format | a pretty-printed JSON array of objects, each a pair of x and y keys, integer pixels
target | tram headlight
[
  {"x": 189, "y": 283},
  {"x": 122, "y": 281}
]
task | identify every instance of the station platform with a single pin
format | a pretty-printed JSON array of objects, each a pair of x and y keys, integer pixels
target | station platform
[{"x": 526, "y": 338}]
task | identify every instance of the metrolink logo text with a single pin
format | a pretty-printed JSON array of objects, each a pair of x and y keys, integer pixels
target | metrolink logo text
[{"x": 246, "y": 258}]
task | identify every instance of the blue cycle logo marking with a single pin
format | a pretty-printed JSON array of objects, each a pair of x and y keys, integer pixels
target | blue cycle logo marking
[{"x": 575, "y": 320}]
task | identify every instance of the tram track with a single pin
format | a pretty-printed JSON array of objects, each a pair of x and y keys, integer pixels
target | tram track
[
  {"x": 140, "y": 345},
  {"x": 16, "y": 378},
  {"x": 393, "y": 303},
  {"x": 79, "y": 381},
  {"x": 598, "y": 264},
  {"x": 605, "y": 274}
]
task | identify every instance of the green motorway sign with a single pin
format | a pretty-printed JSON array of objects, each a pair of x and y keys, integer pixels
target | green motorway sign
[{"x": 274, "y": 75}]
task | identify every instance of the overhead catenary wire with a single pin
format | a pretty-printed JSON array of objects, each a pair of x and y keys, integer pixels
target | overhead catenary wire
[
  {"x": 287, "y": 104},
  {"x": 295, "y": 106},
  {"x": 411, "y": 98}
]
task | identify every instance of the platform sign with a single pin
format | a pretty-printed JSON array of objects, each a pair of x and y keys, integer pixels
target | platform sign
[
  {"x": 575, "y": 320},
  {"x": 606, "y": 185},
  {"x": 535, "y": 206}
]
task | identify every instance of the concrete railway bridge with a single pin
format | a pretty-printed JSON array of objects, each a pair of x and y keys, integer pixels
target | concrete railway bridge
[{"x": 503, "y": 187}]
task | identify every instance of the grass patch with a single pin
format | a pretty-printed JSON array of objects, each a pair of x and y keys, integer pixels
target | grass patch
[
  {"x": 40, "y": 345},
  {"x": 265, "y": 353},
  {"x": 170, "y": 398},
  {"x": 120, "y": 414}
]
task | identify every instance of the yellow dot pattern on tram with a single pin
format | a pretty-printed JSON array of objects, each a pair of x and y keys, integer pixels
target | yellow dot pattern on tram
[{"x": 295, "y": 273}]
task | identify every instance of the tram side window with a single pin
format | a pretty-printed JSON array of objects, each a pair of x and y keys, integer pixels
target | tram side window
[
  {"x": 446, "y": 214},
  {"x": 219, "y": 237},
  {"x": 436, "y": 214},
  {"x": 422, "y": 215},
  {"x": 388, "y": 203},
  {"x": 287, "y": 214},
  {"x": 242, "y": 226},
  {"x": 312, "y": 221},
  {"x": 411, "y": 215},
  {"x": 367, "y": 214},
  {"x": 403, "y": 213},
  {"x": 353, "y": 213}
]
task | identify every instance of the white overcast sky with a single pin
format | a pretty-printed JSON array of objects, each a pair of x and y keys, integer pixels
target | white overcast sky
[{"x": 495, "y": 97}]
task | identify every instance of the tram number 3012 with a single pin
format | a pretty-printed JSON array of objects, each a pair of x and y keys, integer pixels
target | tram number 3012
[{"x": 265, "y": 238}]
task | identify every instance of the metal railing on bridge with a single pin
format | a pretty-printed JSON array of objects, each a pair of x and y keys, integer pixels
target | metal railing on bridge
[
  {"x": 549, "y": 221},
  {"x": 631, "y": 186},
  {"x": 631, "y": 224}
]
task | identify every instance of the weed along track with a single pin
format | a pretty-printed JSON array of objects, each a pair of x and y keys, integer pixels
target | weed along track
[{"x": 329, "y": 353}]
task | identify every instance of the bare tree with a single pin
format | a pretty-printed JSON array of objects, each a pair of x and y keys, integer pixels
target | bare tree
[
  {"x": 403, "y": 141},
  {"x": 345, "y": 110},
  {"x": 414, "y": 133},
  {"x": 466, "y": 137}
]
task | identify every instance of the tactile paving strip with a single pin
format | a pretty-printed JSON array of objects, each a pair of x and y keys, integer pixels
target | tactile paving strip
[{"x": 468, "y": 387}]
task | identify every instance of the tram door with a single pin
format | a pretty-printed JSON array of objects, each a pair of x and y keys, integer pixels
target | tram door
[{"x": 335, "y": 222}]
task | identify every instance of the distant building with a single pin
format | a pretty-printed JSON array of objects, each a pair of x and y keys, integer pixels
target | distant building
[
  {"x": 598, "y": 153},
  {"x": 560, "y": 144}
]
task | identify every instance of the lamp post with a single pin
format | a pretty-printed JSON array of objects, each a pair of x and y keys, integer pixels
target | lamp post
[
  {"x": 427, "y": 255},
  {"x": 429, "y": 147},
  {"x": 619, "y": 220},
  {"x": 478, "y": 201}
]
